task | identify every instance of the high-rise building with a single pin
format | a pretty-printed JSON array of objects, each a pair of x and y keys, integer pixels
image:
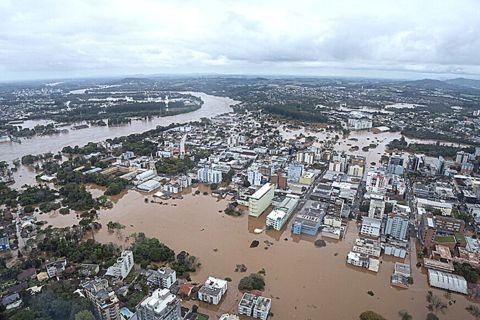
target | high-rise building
[
  {"x": 397, "y": 225},
  {"x": 103, "y": 298},
  {"x": 254, "y": 177},
  {"x": 162, "y": 278},
  {"x": 462, "y": 157},
  {"x": 123, "y": 266},
  {"x": 294, "y": 172},
  {"x": 279, "y": 215},
  {"x": 260, "y": 200},
  {"x": 209, "y": 175},
  {"x": 161, "y": 305}
]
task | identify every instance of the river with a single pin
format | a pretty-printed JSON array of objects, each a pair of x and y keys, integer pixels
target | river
[{"x": 211, "y": 107}]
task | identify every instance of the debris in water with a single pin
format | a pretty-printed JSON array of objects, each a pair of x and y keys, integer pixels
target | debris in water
[
  {"x": 254, "y": 244},
  {"x": 320, "y": 243}
]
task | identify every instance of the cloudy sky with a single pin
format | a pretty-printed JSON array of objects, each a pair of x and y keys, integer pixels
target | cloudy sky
[{"x": 397, "y": 39}]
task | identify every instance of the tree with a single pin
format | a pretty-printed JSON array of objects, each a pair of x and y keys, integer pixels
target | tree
[
  {"x": 435, "y": 304},
  {"x": 254, "y": 281},
  {"x": 84, "y": 315},
  {"x": 370, "y": 315},
  {"x": 474, "y": 311},
  {"x": 24, "y": 315},
  {"x": 431, "y": 316},
  {"x": 404, "y": 315}
]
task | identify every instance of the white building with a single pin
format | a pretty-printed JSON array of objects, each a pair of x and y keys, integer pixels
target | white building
[
  {"x": 161, "y": 305},
  {"x": 307, "y": 157},
  {"x": 209, "y": 175},
  {"x": 360, "y": 124},
  {"x": 254, "y": 177},
  {"x": 123, "y": 266},
  {"x": 254, "y": 306},
  {"x": 144, "y": 176},
  {"x": 149, "y": 185},
  {"x": 447, "y": 281},
  {"x": 371, "y": 227},
  {"x": 213, "y": 290},
  {"x": 260, "y": 200},
  {"x": 279, "y": 215}
]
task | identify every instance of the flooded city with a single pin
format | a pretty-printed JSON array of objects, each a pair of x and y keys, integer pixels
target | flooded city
[
  {"x": 239, "y": 160},
  {"x": 304, "y": 281},
  {"x": 10, "y": 151}
]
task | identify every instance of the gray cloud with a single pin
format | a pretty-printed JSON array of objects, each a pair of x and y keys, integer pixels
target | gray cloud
[{"x": 45, "y": 39}]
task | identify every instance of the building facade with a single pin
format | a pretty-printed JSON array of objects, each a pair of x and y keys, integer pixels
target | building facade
[
  {"x": 161, "y": 305},
  {"x": 260, "y": 200}
]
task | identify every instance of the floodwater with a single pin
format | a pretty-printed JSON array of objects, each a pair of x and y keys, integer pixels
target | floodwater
[
  {"x": 211, "y": 107},
  {"x": 360, "y": 139},
  {"x": 304, "y": 282}
]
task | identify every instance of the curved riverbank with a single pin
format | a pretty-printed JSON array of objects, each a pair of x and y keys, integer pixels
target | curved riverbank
[{"x": 212, "y": 106}]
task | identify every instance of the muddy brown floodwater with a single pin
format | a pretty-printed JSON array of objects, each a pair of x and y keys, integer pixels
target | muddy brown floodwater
[{"x": 304, "y": 281}]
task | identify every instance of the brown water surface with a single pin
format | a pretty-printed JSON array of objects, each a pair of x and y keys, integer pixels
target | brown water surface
[{"x": 305, "y": 282}]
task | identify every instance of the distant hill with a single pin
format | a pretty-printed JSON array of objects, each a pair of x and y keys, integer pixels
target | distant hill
[
  {"x": 134, "y": 81},
  {"x": 429, "y": 84},
  {"x": 464, "y": 82}
]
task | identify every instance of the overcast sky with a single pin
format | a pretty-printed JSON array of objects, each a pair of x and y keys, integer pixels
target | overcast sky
[{"x": 78, "y": 38}]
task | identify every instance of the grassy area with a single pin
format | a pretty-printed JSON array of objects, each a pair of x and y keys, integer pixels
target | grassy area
[
  {"x": 460, "y": 237},
  {"x": 202, "y": 316},
  {"x": 444, "y": 239}
]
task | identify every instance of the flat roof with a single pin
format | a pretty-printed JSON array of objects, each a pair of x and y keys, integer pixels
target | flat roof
[{"x": 262, "y": 191}]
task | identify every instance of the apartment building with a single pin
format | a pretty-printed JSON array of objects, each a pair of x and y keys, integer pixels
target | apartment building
[
  {"x": 103, "y": 298},
  {"x": 397, "y": 226},
  {"x": 279, "y": 215},
  {"x": 209, "y": 175},
  {"x": 123, "y": 266},
  {"x": 162, "y": 278},
  {"x": 260, "y": 200},
  {"x": 371, "y": 227},
  {"x": 254, "y": 306},
  {"x": 161, "y": 305}
]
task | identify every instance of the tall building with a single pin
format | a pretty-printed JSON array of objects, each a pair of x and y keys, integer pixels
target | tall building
[
  {"x": 462, "y": 157},
  {"x": 103, "y": 298},
  {"x": 209, "y": 175},
  {"x": 294, "y": 172},
  {"x": 161, "y": 305},
  {"x": 356, "y": 166},
  {"x": 307, "y": 157},
  {"x": 279, "y": 180},
  {"x": 123, "y": 266},
  {"x": 395, "y": 165},
  {"x": 162, "y": 278},
  {"x": 254, "y": 176},
  {"x": 260, "y": 200},
  {"x": 397, "y": 226},
  {"x": 279, "y": 215}
]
